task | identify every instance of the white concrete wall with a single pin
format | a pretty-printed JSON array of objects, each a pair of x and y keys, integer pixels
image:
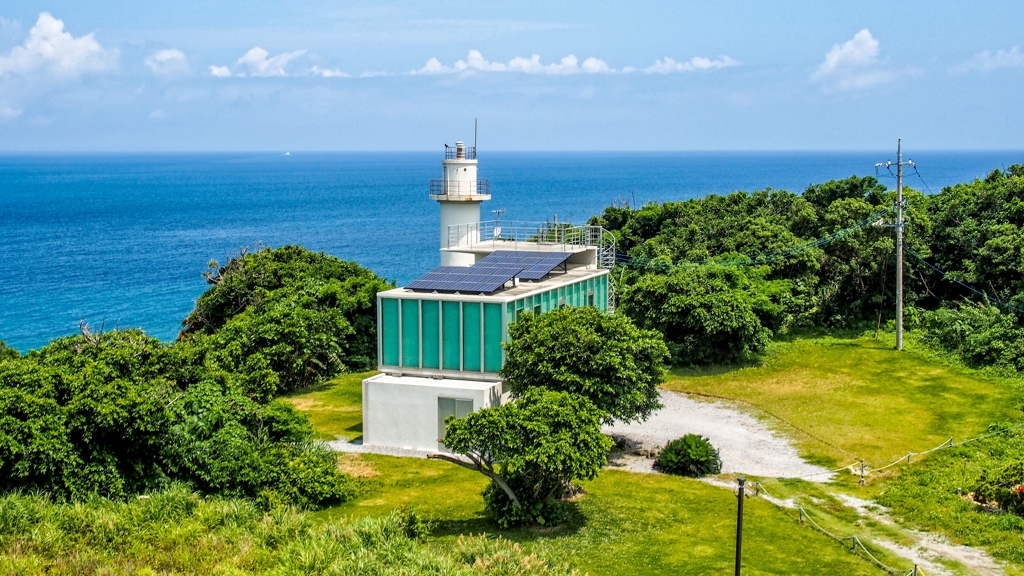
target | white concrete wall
[
  {"x": 453, "y": 213},
  {"x": 401, "y": 411}
]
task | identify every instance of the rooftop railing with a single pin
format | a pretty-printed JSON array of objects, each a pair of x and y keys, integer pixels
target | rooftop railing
[
  {"x": 478, "y": 187},
  {"x": 565, "y": 235},
  {"x": 452, "y": 152}
]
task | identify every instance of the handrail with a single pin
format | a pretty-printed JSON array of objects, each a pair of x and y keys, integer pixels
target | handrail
[
  {"x": 567, "y": 235},
  {"x": 442, "y": 187}
]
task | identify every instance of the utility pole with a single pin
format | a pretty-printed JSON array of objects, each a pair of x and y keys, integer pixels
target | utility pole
[{"x": 900, "y": 226}]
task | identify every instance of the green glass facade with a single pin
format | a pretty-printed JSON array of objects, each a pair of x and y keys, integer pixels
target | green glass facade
[{"x": 421, "y": 331}]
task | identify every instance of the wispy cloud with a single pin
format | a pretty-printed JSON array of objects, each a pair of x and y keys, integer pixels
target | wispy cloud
[
  {"x": 168, "y": 63},
  {"x": 7, "y": 113},
  {"x": 987, "y": 61},
  {"x": 259, "y": 65},
  {"x": 852, "y": 65},
  {"x": 327, "y": 73},
  {"x": 669, "y": 65},
  {"x": 475, "y": 62},
  {"x": 50, "y": 48},
  {"x": 258, "y": 62}
]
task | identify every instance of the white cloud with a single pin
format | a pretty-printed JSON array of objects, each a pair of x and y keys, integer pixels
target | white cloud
[
  {"x": 220, "y": 71},
  {"x": 167, "y": 63},
  {"x": 259, "y": 65},
  {"x": 595, "y": 66},
  {"x": 374, "y": 74},
  {"x": 49, "y": 47},
  {"x": 988, "y": 61},
  {"x": 475, "y": 61},
  {"x": 327, "y": 73},
  {"x": 157, "y": 115},
  {"x": 669, "y": 65},
  {"x": 852, "y": 65},
  {"x": 7, "y": 113}
]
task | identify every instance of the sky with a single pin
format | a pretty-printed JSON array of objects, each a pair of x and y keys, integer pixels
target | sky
[{"x": 119, "y": 75}]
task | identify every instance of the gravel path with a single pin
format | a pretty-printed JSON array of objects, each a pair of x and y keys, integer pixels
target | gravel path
[
  {"x": 747, "y": 445},
  {"x": 360, "y": 448}
]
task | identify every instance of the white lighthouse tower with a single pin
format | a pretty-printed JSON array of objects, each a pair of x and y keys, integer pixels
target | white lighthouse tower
[{"x": 459, "y": 193}]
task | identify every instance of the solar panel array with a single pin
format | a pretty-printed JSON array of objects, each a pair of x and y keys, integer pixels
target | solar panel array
[
  {"x": 491, "y": 272},
  {"x": 535, "y": 265},
  {"x": 466, "y": 279}
]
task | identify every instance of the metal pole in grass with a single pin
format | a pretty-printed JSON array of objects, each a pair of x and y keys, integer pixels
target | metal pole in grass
[{"x": 739, "y": 527}]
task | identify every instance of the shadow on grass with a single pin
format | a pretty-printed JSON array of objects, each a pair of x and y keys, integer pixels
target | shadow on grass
[{"x": 485, "y": 525}]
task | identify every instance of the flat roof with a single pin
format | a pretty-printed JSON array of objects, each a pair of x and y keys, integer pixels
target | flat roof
[
  {"x": 556, "y": 278},
  {"x": 478, "y": 385}
]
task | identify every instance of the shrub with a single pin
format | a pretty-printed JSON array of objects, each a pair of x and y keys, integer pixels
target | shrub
[{"x": 692, "y": 455}]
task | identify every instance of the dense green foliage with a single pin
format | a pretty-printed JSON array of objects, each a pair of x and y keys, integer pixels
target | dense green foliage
[
  {"x": 692, "y": 455},
  {"x": 177, "y": 532},
  {"x": 533, "y": 450},
  {"x": 119, "y": 413},
  {"x": 287, "y": 316},
  {"x": 713, "y": 310},
  {"x": 979, "y": 334},
  {"x": 935, "y": 494},
  {"x": 601, "y": 357},
  {"x": 7, "y": 353}
]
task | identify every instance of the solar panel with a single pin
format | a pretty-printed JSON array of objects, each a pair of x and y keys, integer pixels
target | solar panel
[
  {"x": 536, "y": 265},
  {"x": 466, "y": 279},
  {"x": 491, "y": 272}
]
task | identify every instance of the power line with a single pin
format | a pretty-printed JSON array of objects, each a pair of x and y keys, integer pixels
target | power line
[{"x": 945, "y": 276}]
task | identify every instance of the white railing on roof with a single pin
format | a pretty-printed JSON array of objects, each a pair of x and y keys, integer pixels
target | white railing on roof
[{"x": 568, "y": 236}]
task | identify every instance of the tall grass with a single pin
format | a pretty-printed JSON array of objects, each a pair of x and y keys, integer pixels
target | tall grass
[{"x": 176, "y": 531}]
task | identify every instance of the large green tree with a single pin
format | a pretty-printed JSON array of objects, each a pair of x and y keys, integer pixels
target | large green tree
[
  {"x": 601, "y": 357},
  {"x": 533, "y": 450},
  {"x": 287, "y": 316}
]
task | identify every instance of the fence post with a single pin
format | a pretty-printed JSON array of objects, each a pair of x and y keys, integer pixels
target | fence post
[
  {"x": 862, "y": 472},
  {"x": 908, "y": 457},
  {"x": 739, "y": 526},
  {"x": 915, "y": 570},
  {"x": 801, "y": 510}
]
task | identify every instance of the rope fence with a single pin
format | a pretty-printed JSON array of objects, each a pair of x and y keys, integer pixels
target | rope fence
[{"x": 856, "y": 545}]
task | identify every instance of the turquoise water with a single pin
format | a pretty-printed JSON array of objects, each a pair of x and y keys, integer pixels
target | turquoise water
[{"x": 121, "y": 240}]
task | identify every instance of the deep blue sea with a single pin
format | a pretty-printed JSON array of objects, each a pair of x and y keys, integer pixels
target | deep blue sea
[{"x": 121, "y": 239}]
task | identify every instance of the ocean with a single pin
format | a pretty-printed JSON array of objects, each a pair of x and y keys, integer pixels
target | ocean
[{"x": 121, "y": 240}]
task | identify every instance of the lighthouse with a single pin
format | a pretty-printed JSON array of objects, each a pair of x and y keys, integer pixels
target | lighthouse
[{"x": 459, "y": 193}]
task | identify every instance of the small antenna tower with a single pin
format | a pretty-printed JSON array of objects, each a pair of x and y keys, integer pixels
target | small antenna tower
[
  {"x": 900, "y": 226},
  {"x": 474, "y": 136}
]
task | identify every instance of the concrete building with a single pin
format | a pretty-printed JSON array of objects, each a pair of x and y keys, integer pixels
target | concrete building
[{"x": 439, "y": 339}]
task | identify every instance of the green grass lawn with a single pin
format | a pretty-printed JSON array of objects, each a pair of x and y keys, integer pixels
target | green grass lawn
[
  {"x": 335, "y": 408},
  {"x": 839, "y": 398},
  {"x": 852, "y": 398},
  {"x": 626, "y": 523}
]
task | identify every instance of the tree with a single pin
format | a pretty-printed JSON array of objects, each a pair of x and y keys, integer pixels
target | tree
[
  {"x": 604, "y": 358},
  {"x": 337, "y": 293},
  {"x": 533, "y": 450},
  {"x": 119, "y": 413},
  {"x": 7, "y": 353},
  {"x": 707, "y": 314},
  {"x": 293, "y": 315}
]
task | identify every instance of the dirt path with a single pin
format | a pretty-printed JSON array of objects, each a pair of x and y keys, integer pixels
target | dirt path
[{"x": 747, "y": 445}]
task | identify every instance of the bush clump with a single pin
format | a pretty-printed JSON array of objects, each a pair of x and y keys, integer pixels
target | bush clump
[{"x": 692, "y": 455}]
